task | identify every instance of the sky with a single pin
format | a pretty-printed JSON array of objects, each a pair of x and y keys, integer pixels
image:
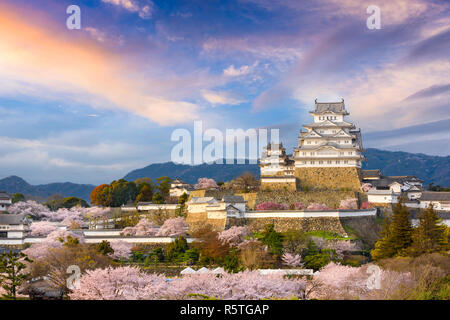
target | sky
[{"x": 89, "y": 105}]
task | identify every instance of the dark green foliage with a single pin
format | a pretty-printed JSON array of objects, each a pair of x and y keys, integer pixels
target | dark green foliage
[
  {"x": 145, "y": 192},
  {"x": 17, "y": 197},
  {"x": 68, "y": 203},
  {"x": 12, "y": 272},
  {"x": 272, "y": 239},
  {"x": 191, "y": 256},
  {"x": 105, "y": 248},
  {"x": 396, "y": 234},
  {"x": 158, "y": 253},
  {"x": 181, "y": 211},
  {"x": 157, "y": 198},
  {"x": 429, "y": 235},
  {"x": 315, "y": 259},
  {"x": 164, "y": 185},
  {"x": 177, "y": 248},
  {"x": 295, "y": 242},
  {"x": 231, "y": 261}
]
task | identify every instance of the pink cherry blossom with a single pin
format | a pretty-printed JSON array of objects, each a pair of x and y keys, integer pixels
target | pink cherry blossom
[
  {"x": 173, "y": 227},
  {"x": 349, "y": 204},
  {"x": 122, "y": 249},
  {"x": 205, "y": 183},
  {"x": 42, "y": 228},
  {"x": 271, "y": 206},
  {"x": 292, "y": 260},
  {"x": 143, "y": 228},
  {"x": 318, "y": 207},
  {"x": 234, "y": 235}
]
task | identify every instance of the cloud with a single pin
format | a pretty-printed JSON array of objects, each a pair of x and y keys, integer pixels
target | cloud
[
  {"x": 430, "y": 92},
  {"x": 231, "y": 71},
  {"x": 221, "y": 97},
  {"x": 145, "y": 11},
  {"x": 41, "y": 62}
]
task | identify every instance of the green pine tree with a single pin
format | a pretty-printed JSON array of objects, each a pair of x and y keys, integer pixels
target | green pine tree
[
  {"x": 12, "y": 272},
  {"x": 429, "y": 236},
  {"x": 400, "y": 237},
  {"x": 396, "y": 236}
]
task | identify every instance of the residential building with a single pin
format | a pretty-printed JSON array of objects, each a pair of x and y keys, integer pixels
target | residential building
[{"x": 5, "y": 200}]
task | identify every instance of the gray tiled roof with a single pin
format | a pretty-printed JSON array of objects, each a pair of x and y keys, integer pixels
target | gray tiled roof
[
  {"x": 336, "y": 107},
  {"x": 435, "y": 196},
  {"x": 370, "y": 173},
  {"x": 5, "y": 195},
  {"x": 10, "y": 219}
]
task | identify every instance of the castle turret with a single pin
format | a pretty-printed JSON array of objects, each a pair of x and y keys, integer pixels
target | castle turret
[{"x": 330, "y": 141}]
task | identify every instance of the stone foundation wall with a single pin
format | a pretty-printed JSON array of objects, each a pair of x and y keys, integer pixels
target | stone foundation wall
[
  {"x": 330, "y": 198},
  {"x": 333, "y": 178},
  {"x": 291, "y": 186},
  {"x": 299, "y": 224},
  {"x": 200, "y": 220}
]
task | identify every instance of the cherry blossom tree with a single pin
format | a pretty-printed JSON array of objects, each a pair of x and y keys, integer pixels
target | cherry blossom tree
[
  {"x": 173, "y": 227},
  {"x": 234, "y": 235},
  {"x": 292, "y": 260},
  {"x": 143, "y": 228},
  {"x": 122, "y": 249},
  {"x": 42, "y": 228},
  {"x": 349, "y": 204},
  {"x": 205, "y": 183},
  {"x": 31, "y": 208},
  {"x": 54, "y": 239},
  {"x": 336, "y": 281},
  {"x": 271, "y": 206},
  {"x": 132, "y": 283},
  {"x": 123, "y": 283},
  {"x": 318, "y": 207}
]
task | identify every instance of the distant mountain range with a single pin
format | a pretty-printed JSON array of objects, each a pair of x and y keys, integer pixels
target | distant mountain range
[
  {"x": 429, "y": 168},
  {"x": 15, "y": 184}
]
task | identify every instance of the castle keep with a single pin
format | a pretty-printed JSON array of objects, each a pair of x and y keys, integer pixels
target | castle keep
[{"x": 328, "y": 155}]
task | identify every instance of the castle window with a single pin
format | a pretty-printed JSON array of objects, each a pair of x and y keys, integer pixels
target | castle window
[
  {"x": 320, "y": 162},
  {"x": 350, "y": 153},
  {"x": 308, "y": 142},
  {"x": 329, "y": 161},
  {"x": 312, "y": 162},
  {"x": 346, "y": 141},
  {"x": 345, "y": 161},
  {"x": 337, "y": 162}
]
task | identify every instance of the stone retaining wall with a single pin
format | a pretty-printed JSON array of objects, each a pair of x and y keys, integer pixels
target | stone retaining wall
[
  {"x": 330, "y": 198},
  {"x": 334, "y": 178}
]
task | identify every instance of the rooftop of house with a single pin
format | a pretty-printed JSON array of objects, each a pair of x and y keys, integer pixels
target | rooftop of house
[
  {"x": 196, "y": 200},
  {"x": 386, "y": 181},
  {"x": 371, "y": 173},
  {"x": 12, "y": 219},
  {"x": 5, "y": 195},
  {"x": 435, "y": 196},
  {"x": 326, "y": 107}
]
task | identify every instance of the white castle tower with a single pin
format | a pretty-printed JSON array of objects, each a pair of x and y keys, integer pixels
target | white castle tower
[
  {"x": 329, "y": 141},
  {"x": 328, "y": 156}
]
